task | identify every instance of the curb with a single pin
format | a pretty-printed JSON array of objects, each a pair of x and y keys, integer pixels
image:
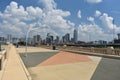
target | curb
[{"x": 24, "y": 68}]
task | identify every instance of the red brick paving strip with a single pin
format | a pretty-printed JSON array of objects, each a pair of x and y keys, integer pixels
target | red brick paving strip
[{"x": 65, "y": 58}]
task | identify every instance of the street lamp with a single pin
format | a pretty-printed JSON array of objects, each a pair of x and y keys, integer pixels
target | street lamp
[{"x": 29, "y": 30}]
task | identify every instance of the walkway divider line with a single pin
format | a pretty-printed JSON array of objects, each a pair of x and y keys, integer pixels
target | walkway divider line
[{"x": 24, "y": 67}]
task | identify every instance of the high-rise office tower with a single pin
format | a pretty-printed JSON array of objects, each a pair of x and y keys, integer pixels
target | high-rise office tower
[
  {"x": 75, "y": 36},
  {"x": 67, "y": 36},
  {"x": 57, "y": 39},
  {"x": 119, "y": 36},
  {"x": 9, "y": 38},
  {"x": 37, "y": 39}
]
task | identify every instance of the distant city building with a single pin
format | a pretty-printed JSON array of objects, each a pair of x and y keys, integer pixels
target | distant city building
[
  {"x": 72, "y": 40},
  {"x": 2, "y": 40},
  {"x": 81, "y": 42},
  {"x": 37, "y": 39},
  {"x": 22, "y": 39},
  {"x": 51, "y": 39},
  {"x": 15, "y": 40},
  {"x": 57, "y": 40},
  {"x": 102, "y": 42},
  {"x": 66, "y": 38},
  {"x": 48, "y": 34},
  {"x": 117, "y": 41},
  {"x": 48, "y": 39},
  {"x": 30, "y": 41},
  {"x": 99, "y": 42},
  {"x": 63, "y": 39},
  {"x": 119, "y": 36},
  {"x": 43, "y": 41},
  {"x": 9, "y": 38},
  {"x": 75, "y": 36}
]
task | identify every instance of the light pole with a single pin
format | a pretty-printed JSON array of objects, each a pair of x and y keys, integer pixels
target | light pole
[
  {"x": 27, "y": 34},
  {"x": 26, "y": 41},
  {"x": 30, "y": 29}
]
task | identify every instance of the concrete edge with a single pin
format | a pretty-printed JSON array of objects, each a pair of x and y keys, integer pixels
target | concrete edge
[
  {"x": 94, "y": 54},
  {"x": 5, "y": 63},
  {"x": 3, "y": 70},
  {"x": 24, "y": 67}
]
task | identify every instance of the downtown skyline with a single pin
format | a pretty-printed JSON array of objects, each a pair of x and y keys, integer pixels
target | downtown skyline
[{"x": 94, "y": 19}]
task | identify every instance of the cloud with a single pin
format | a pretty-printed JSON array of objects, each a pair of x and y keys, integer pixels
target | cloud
[
  {"x": 94, "y": 1},
  {"x": 92, "y": 32},
  {"x": 109, "y": 24},
  {"x": 97, "y": 13},
  {"x": 48, "y": 4},
  {"x": 107, "y": 20},
  {"x": 16, "y": 19},
  {"x": 79, "y": 14},
  {"x": 91, "y": 19}
]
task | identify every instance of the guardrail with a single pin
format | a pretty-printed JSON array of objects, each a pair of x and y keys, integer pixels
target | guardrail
[{"x": 3, "y": 57}]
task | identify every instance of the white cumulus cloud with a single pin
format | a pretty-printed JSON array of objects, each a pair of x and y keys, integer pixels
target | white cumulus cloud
[
  {"x": 109, "y": 25},
  {"x": 107, "y": 20},
  {"x": 16, "y": 19},
  {"x": 94, "y": 1},
  {"x": 79, "y": 14},
  {"x": 48, "y": 4},
  {"x": 92, "y": 32},
  {"x": 91, "y": 19},
  {"x": 97, "y": 13}
]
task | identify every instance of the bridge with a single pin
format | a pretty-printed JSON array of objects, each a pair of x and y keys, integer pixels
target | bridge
[{"x": 62, "y": 64}]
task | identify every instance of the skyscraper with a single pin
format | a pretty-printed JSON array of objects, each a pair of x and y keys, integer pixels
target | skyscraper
[
  {"x": 37, "y": 39},
  {"x": 57, "y": 39},
  {"x": 2, "y": 39},
  {"x": 9, "y": 38},
  {"x": 75, "y": 36},
  {"x": 49, "y": 38},
  {"x": 119, "y": 36},
  {"x": 67, "y": 36}
]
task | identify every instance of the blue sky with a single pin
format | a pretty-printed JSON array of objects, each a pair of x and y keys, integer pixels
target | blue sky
[
  {"x": 108, "y": 6},
  {"x": 62, "y": 16},
  {"x": 88, "y": 9}
]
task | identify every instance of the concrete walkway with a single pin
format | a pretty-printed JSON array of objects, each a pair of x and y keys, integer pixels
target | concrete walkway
[
  {"x": 14, "y": 68},
  {"x": 44, "y": 64}
]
